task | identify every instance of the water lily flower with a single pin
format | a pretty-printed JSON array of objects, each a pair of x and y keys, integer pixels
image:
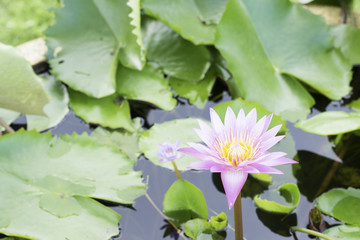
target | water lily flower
[
  {"x": 169, "y": 152},
  {"x": 236, "y": 148}
]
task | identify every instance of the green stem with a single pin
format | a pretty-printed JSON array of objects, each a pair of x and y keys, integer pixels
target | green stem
[
  {"x": 311, "y": 232},
  {"x": 238, "y": 219},
  {"x": 176, "y": 170}
]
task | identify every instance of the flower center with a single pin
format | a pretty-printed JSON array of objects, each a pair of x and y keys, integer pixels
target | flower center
[{"x": 236, "y": 149}]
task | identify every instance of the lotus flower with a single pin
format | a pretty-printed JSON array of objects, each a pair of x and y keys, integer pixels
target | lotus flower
[
  {"x": 237, "y": 148},
  {"x": 169, "y": 152}
]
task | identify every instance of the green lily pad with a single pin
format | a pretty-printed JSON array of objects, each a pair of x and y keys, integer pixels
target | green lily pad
[
  {"x": 355, "y": 105},
  {"x": 175, "y": 56},
  {"x": 247, "y": 106},
  {"x": 291, "y": 194},
  {"x": 53, "y": 180},
  {"x": 331, "y": 123},
  {"x": 104, "y": 111},
  {"x": 21, "y": 89},
  {"x": 186, "y": 18},
  {"x": 55, "y": 110},
  {"x": 342, "y": 204},
  {"x": 347, "y": 38},
  {"x": 246, "y": 37},
  {"x": 148, "y": 85},
  {"x": 197, "y": 93},
  {"x": 179, "y": 129},
  {"x": 184, "y": 201},
  {"x": 344, "y": 232},
  {"x": 199, "y": 229}
]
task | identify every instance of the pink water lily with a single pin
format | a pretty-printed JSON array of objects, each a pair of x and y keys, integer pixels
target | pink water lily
[{"x": 236, "y": 148}]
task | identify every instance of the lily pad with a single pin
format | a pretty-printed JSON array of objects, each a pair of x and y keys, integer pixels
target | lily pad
[
  {"x": 199, "y": 229},
  {"x": 104, "y": 111},
  {"x": 344, "y": 232},
  {"x": 219, "y": 222},
  {"x": 148, "y": 85},
  {"x": 347, "y": 38},
  {"x": 53, "y": 180},
  {"x": 186, "y": 18},
  {"x": 184, "y": 201},
  {"x": 291, "y": 194},
  {"x": 331, "y": 123},
  {"x": 175, "y": 56},
  {"x": 179, "y": 129},
  {"x": 21, "y": 89},
  {"x": 246, "y": 37},
  {"x": 55, "y": 110},
  {"x": 342, "y": 204},
  {"x": 247, "y": 106}
]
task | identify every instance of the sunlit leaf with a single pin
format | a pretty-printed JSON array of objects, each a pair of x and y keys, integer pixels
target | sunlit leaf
[
  {"x": 342, "y": 204},
  {"x": 246, "y": 37},
  {"x": 55, "y": 110},
  {"x": 148, "y": 85},
  {"x": 291, "y": 194},
  {"x": 331, "y": 123},
  {"x": 106, "y": 111},
  {"x": 168, "y": 51},
  {"x": 247, "y": 106},
  {"x": 186, "y": 18},
  {"x": 21, "y": 90},
  {"x": 343, "y": 232},
  {"x": 347, "y": 38},
  {"x": 53, "y": 180},
  {"x": 179, "y": 129},
  {"x": 219, "y": 222},
  {"x": 184, "y": 201}
]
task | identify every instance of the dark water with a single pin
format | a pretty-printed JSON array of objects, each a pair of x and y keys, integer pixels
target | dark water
[{"x": 144, "y": 222}]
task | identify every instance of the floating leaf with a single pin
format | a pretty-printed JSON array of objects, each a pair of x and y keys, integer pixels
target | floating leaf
[
  {"x": 355, "y": 104},
  {"x": 55, "y": 110},
  {"x": 199, "y": 229},
  {"x": 247, "y": 106},
  {"x": 219, "y": 222},
  {"x": 125, "y": 141},
  {"x": 52, "y": 180},
  {"x": 148, "y": 85},
  {"x": 176, "y": 57},
  {"x": 246, "y": 37},
  {"x": 342, "y": 204},
  {"x": 184, "y": 201},
  {"x": 331, "y": 123},
  {"x": 347, "y": 38},
  {"x": 186, "y": 18},
  {"x": 291, "y": 194},
  {"x": 21, "y": 90},
  {"x": 104, "y": 111},
  {"x": 197, "y": 93},
  {"x": 179, "y": 129},
  {"x": 343, "y": 232}
]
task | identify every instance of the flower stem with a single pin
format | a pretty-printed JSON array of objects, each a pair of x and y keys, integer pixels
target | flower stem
[
  {"x": 176, "y": 170},
  {"x": 238, "y": 219},
  {"x": 311, "y": 232},
  {"x": 6, "y": 126}
]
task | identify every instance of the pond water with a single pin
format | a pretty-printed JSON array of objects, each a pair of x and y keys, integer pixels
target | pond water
[{"x": 142, "y": 221}]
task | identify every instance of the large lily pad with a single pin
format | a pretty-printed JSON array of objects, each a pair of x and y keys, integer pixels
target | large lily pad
[
  {"x": 342, "y": 204},
  {"x": 188, "y": 18},
  {"x": 86, "y": 53},
  {"x": 272, "y": 57},
  {"x": 148, "y": 85},
  {"x": 21, "y": 90},
  {"x": 331, "y": 123},
  {"x": 48, "y": 183},
  {"x": 179, "y": 129},
  {"x": 171, "y": 53},
  {"x": 106, "y": 111},
  {"x": 347, "y": 38}
]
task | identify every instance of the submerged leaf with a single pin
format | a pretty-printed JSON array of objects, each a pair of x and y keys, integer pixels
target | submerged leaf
[
  {"x": 53, "y": 180},
  {"x": 21, "y": 90}
]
